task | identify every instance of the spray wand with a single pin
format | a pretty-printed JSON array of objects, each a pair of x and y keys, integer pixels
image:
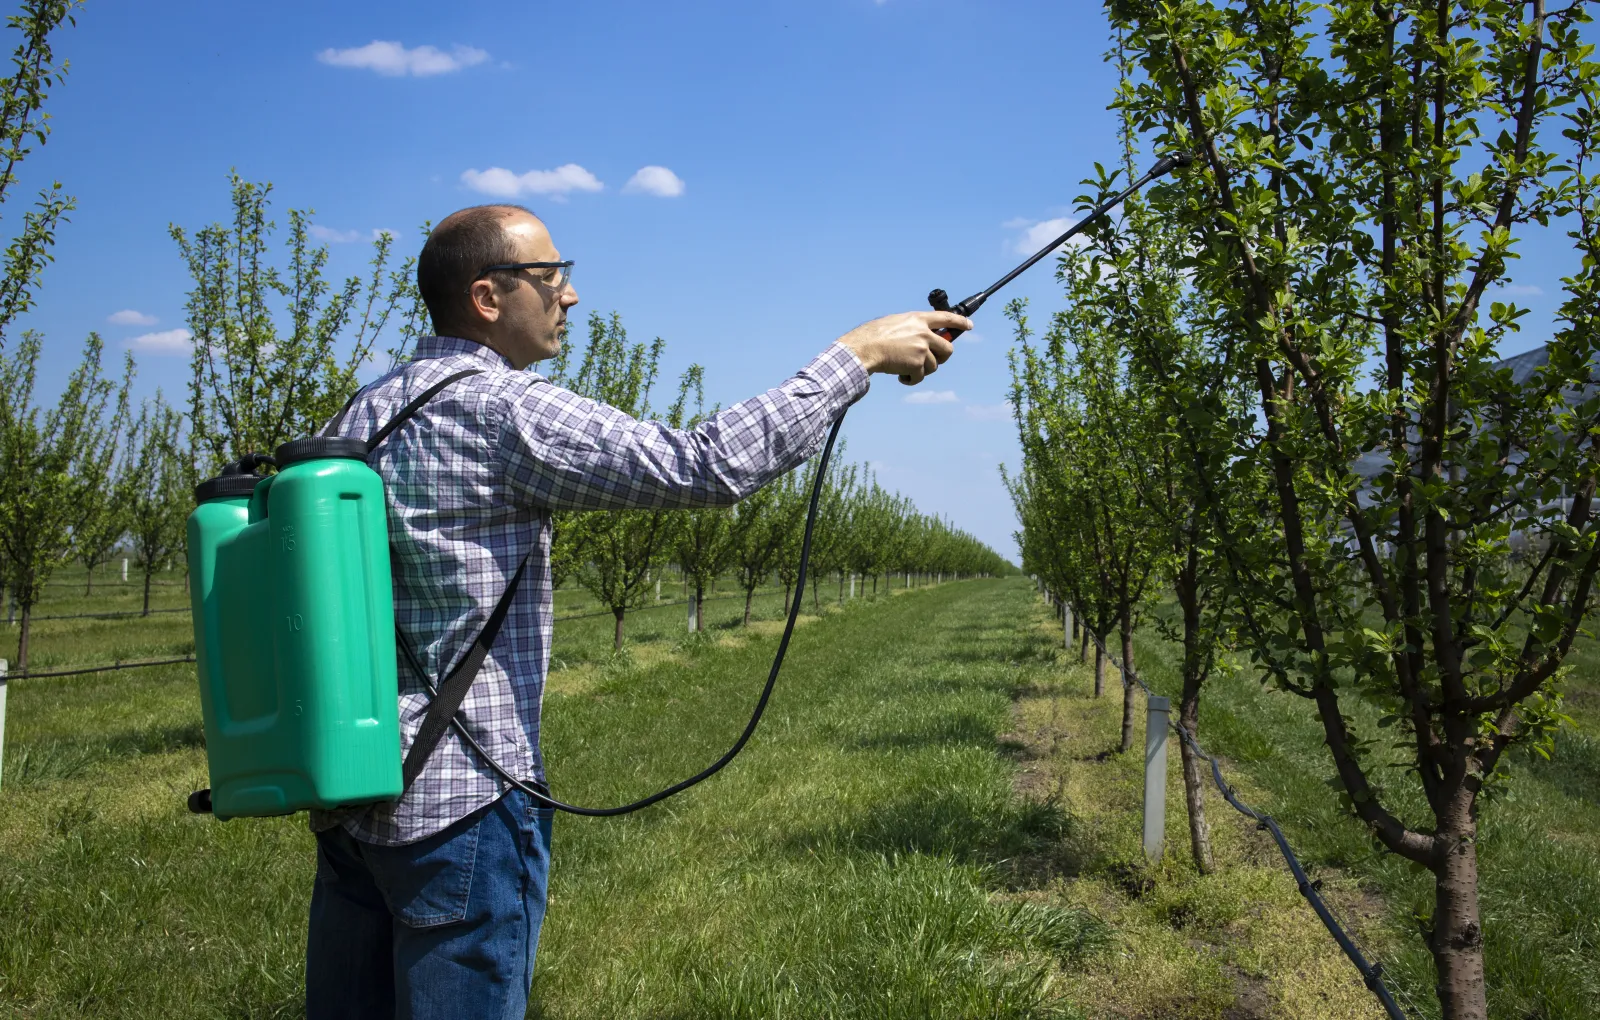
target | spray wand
[{"x": 941, "y": 303}]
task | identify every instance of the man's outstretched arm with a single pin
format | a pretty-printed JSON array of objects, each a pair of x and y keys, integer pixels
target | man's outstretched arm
[{"x": 565, "y": 452}]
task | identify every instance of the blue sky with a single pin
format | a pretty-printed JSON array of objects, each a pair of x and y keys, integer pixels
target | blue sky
[{"x": 811, "y": 165}]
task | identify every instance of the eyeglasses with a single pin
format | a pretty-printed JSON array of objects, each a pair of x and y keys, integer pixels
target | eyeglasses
[{"x": 562, "y": 277}]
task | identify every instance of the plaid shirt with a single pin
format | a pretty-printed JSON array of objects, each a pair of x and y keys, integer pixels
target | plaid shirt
[{"x": 470, "y": 483}]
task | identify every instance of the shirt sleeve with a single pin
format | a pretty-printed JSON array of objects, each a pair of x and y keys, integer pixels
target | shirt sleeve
[{"x": 566, "y": 452}]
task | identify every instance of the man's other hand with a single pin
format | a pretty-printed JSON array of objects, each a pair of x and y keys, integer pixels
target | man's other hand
[{"x": 906, "y": 344}]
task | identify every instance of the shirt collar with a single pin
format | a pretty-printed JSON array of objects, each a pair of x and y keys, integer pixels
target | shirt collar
[{"x": 452, "y": 346}]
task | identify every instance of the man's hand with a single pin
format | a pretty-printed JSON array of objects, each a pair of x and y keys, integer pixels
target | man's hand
[{"x": 906, "y": 344}]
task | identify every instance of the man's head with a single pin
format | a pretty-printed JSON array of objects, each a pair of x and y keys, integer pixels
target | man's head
[{"x": 520, "y": 313}]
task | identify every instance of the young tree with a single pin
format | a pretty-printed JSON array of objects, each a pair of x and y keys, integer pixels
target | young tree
[
  {"x": 158, "y": 509},
  {"x": 42, "y": 453},
  {"x": 702, "y": 547},
  {"x": 1087, "y": 426},
  {"x": 102, "y": 496},
  {"x": 793, "y": 493},
  {"x": 24, "y": 123},
  {"x": 1363, "y": 173},
  {"x": 755, "y": 540},
  {"x": 276, "y": 347},
  {"x": 830, "y": 539}
]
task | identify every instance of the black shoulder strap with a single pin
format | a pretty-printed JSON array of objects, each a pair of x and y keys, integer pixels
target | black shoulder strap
[
  {"x": 405, "y": 415},
  {"x": 448, "y": 698},
  {"x": 412, "y": 408}
]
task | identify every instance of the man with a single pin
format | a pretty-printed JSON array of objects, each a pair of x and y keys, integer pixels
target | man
[{"x": 431, "y": 905}]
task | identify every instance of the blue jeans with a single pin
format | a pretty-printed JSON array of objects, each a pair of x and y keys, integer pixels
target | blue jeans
[{"x": 445, "y": 927}]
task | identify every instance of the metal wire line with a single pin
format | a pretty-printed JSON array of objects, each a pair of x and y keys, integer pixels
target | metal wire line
[
  {"x": 1371, "y": 973},
  {"x": 82, "y": 670}
]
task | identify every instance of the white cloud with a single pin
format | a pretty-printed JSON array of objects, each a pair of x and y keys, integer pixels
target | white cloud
[
  {"x": 1037, "y": 234},
  {"x": 502, "y": 183},
  {"x": 323, "y": 233},
  {"x": 654, "y": 180},
  {"x": 932, "y": 397},
  {"x": 333, "y": 236},
  {"x": 167, "y": 341},
  {"x": 394, "y": 60},
  {"x": 987, "y": 412},
  {"x": 1521, "y": 289},
  {"x": 129, "y": 317}
]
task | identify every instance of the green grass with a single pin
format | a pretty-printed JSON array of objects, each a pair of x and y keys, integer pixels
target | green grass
[
  {"x": 861, "y": 858},
  {"x": 928, "y": 824},
  {"x": 1538, "y": 852}
]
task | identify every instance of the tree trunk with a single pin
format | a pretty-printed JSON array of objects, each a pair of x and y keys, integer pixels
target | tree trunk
[
  {"x": 1194, "y": 783},
  {"x": 22, "y": 639},
  {"x": 616, "y": 640},
  {"x": 1127, "y": 685},
  {"x": 1457, "y": 937},
  {"x": 1099, "y": 671},
  {"x": 88, "y": 580},
  {"x": 816, "y": 597},
  {"x": 786, "y": 590},
  {"x": 841, "y": 587},
  {"x": 699, "y": 609},
  {"x": 1083, "y": 645},
  {"x": 874, "y": 585},
  {"x": 749, "y": 594},
  {"x": 146, "y": 593},
  {"x": 1195, "y": 667}
]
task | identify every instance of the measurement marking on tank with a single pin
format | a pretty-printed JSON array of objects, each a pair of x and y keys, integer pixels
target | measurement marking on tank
[
  {"x": 286, "y": 537},
  {"x": 294, "y": 621}
]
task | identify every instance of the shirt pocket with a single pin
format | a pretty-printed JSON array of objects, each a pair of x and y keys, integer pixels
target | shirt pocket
[{"x": 428, "y": 884}]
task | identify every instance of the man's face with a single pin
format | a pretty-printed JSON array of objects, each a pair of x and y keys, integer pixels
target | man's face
[{"x": 532, "y": 302}]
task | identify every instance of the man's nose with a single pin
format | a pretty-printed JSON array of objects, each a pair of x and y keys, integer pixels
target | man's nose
[{"x": 569, "y": 297}]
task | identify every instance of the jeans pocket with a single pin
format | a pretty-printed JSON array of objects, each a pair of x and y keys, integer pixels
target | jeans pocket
[{"x": 428, "y": 883}]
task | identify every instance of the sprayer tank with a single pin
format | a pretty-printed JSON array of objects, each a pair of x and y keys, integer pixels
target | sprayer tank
[{"x": 294, "y": 637}]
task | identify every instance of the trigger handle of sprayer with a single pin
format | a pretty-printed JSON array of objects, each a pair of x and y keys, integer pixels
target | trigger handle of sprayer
[{"x": 939, "y": 301}]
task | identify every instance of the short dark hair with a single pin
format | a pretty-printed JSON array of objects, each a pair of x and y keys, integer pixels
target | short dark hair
[{"x": 455, "y": 252}]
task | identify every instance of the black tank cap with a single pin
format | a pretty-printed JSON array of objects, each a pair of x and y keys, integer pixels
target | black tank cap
[
  {"x": 231, "y": 486},
  {"x": 320, "y": 448}
]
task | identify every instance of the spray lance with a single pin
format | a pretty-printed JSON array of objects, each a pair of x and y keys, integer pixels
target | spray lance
[{"x": 296, "y": 751}]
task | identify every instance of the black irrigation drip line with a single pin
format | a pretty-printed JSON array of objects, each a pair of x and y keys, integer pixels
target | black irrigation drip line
[
  {"x": 120, "y": 614},
  {"x": 100, "y": 669},
  {"x": 190, "y": 658},
  {"x": 663, "y": 605},
  {"x": 1371, "y": 973},
  {"x": 117, "y": 584}
]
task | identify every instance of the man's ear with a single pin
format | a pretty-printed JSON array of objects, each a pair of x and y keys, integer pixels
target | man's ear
[{"x": 483, "y": 300}]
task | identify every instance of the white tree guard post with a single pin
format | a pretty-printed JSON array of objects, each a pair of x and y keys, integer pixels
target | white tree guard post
[
  {"x": 1155, "y": 775},
  {"x": 692, "y": 620},
  {"x": 852, "y": 586},
  {"x": 1066, "y": 626},
  {"x": 658, "y": 589},
  {"x": 4, "y": 669},
  {"x": 124, "y": 570}
]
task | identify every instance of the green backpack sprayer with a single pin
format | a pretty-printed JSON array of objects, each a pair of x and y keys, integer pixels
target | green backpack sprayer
[{"x": 295, "y": 632}]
